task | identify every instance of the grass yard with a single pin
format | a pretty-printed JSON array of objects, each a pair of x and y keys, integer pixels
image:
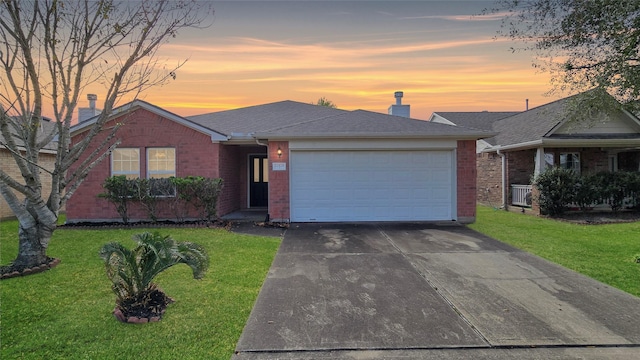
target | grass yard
[
  {"x": 65, "y": 313},
  {"x": 604, "y": 252}
]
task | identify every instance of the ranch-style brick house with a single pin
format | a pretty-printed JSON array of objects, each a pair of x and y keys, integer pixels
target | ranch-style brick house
[
  {"x": 528, "y": 142},
  {"x": 300, "y": 162}
]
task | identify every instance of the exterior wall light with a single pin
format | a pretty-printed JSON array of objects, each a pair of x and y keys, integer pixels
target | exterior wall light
[{"x": 279, "y": 152}]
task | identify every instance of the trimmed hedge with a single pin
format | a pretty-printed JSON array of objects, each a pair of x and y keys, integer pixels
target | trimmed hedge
[
  {"x": 560, "y": 188},
  {"x": 182, "y": 194}
]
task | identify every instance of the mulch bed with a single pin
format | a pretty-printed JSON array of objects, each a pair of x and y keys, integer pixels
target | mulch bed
[
  {"x": 149, "y": 307},
  {"x": 217, "y": 224},
  {"x": 11, "y": 271},
  {"x": 146, "y": 224},
  {"x": 599, "y": 217}
]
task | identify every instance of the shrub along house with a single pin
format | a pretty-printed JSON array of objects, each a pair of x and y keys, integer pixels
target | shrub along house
[
  {"x": 529, "y": 142},
  {"x": 301, "y": 162}
]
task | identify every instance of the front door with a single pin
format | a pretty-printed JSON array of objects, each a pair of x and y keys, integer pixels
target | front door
[{"x": 258, "y": 181}]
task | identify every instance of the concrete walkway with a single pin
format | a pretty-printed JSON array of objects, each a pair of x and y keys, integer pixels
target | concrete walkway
[{"x": 422, "y": 291}]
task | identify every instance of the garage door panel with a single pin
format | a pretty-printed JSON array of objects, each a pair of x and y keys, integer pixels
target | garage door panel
[{"x": 371, "y": 185}]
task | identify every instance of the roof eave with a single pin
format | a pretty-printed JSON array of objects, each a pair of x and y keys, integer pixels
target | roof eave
[
  {"x": 547, "y": 142},
  {"x": 469, "y": 136},
  {"x": 42, "y": 151},
  {"x": 590, "y": 142}
]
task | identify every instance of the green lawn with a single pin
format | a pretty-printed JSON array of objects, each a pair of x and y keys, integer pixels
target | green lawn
[
  {"x": 604, "y": 252},
  {"x": 65, "y": 313}
]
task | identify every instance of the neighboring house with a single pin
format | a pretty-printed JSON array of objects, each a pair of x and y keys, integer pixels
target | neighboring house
[
  {"x": 528, "y": 142},
  {"x": 47, "y": 160},
  {"x": 300, "y": 162},
  {"x": 474, "y": 120}
]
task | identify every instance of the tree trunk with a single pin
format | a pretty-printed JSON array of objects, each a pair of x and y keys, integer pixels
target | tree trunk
[
  {"x": 36, "y": 226},
  {"x": 33, "y": 242}
]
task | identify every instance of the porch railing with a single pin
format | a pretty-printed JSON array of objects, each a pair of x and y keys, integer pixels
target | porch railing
[{"x": 521, "y": 195}]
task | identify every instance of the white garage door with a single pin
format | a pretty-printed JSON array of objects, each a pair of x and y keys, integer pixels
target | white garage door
[{"x": 371, "y": 186}]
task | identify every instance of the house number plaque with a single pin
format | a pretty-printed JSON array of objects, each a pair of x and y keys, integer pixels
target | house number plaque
[{"x": 279, "y": 166}]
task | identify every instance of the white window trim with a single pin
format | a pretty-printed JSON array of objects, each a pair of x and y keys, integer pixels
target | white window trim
[
  {"x": 126, "y": 173},
  {"x": 161, "y": 172}
]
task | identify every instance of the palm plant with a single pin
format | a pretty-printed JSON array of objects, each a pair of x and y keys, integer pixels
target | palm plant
[{"x": 132, "y": 271}]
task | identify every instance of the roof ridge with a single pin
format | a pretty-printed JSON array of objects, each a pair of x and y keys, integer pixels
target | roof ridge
[{"x": 246, "y": 107}]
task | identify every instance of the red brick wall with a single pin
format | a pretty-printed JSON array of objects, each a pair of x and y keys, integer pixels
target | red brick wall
[
  {"x": 234, "y": 160},
  {"x": 230, "y": 170},
  {"x": 196, "y": 155},
  {"x": 466, "y": 187},
  {"x": 279, "y": 209},
  {"x": 520, "y": 166},
  {"x": 489, "y": 178}
]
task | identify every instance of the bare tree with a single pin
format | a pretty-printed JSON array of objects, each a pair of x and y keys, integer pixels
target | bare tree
[{"x": 50, "y": 51}]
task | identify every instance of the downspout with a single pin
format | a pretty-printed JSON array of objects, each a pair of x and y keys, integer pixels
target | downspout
[{"x": 503, "y": 178}]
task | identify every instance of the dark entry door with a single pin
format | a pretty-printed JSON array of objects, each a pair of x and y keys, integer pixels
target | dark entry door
[{"x": 258, "y": 181}]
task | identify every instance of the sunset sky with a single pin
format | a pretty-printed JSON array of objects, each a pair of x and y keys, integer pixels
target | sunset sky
[{"x": 356, "y": 54}]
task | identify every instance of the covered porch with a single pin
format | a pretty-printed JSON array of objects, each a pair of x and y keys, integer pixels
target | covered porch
[
  {"x": 523, "y": 166},
  {"x": 244, "y": 166}
]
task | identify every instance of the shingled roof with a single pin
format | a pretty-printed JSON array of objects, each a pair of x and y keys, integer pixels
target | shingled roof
[
  {"x": 533, "y": 127},
  {"x": 530, "y": 125},
  {"x": 361, "y": 123},
  {"x": 46, "y": 127},
  {"x": 291, "y": 119},
  {"x": 262, "y": 118},
  {"x": 482, "y": 120}
]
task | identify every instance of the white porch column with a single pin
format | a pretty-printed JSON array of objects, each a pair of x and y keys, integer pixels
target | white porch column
[{"x": 539, "y": 162}]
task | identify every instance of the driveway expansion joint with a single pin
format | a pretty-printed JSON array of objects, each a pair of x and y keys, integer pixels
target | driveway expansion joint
[{"x": 433, "y": 286}]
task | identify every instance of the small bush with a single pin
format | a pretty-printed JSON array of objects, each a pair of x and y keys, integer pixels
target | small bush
[
  {"x": 151, "y": 190},
  {"x": 633, "y": 189},
  {"x": 200, "y": 193},
  {"x": 561, "y": 187},
  {"x": 181, "y": 194},
  {"x": 612, "y": 188},
  {"x": 120, "y": 191},
  {"x": 557, "y": 190},
  {"x": 206, "y": 196},
  {"x": 587, "y": 192}
]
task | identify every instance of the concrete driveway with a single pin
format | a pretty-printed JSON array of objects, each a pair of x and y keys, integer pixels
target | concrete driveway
[{"x": 423, "y": 291}]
